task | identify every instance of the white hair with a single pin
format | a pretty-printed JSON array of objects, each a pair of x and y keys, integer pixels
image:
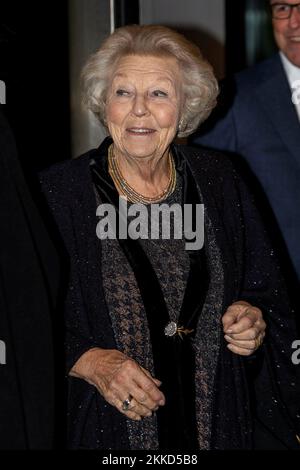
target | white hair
[{"x": 199, "y": 84}]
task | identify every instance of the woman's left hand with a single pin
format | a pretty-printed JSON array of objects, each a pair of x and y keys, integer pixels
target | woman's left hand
[{"x": 244, "y": 328}]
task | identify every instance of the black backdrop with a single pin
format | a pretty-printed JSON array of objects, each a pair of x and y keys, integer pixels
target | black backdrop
[
  {"x": 34, "y": 63},
  {"x": 241, "y": 16},
  {"x": 34, "y": 66}
]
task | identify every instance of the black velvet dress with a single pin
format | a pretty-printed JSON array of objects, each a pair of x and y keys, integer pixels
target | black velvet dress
[{"x": 231, "y": 394}]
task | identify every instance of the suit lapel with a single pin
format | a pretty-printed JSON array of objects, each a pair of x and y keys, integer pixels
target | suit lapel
[{"x": 275, "y": 96}]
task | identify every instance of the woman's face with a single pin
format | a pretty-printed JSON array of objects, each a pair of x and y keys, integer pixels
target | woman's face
[{"x": 143, "y": 105}]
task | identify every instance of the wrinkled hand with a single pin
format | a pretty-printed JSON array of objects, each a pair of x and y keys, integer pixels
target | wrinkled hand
[
  {"x": 117, "y": 377},
  {"x": 244, "y": 328}
]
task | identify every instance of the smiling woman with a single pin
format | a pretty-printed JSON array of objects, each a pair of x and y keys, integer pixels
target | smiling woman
[
  {"x": 156, "y": 329},
  {"x": 142, "y": 114},
  {"x": 199, "y": 85}
]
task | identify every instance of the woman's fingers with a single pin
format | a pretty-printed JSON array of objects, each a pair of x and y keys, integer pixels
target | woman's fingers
[
  {"x": 241, "y": 317},
  {"x": 118, "y": 403},
  {"x": 156, "y": 381},
  {"x": 145, "y": 399},
  {"x": 146, "y": 395},
  {"x": 245, "y": 320},
  {"x": 232, "y": 314},
  {"x": 239, "y": 351},
  {"x": 131, "y": 380},
  {"x": 249, "y": 344},
  {"x": 127, "y": 404},
  {"x": 244, "y": 328},
  {"x": 134, "y": 409},
  {"x": 247, "y": 335},
  {"x": 149, "y": 385},
  {"x": 119, "y": 378}
]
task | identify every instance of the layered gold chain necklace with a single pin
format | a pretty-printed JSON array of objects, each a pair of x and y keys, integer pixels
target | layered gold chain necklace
[{"x": 126, "y": 190}]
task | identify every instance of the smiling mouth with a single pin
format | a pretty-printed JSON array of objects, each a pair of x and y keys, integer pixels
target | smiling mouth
[
  {"x": 140, "y": 131},
  {"x": 295, "y": 38}
]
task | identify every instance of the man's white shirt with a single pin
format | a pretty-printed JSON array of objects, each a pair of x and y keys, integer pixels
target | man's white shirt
[{"x": 293, "y": 76}]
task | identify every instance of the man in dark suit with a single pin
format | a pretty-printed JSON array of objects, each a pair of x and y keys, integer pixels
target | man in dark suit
[{"x": 258, "y": 120}]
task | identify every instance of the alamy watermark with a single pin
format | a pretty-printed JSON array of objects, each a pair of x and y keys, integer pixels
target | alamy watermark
[
  {"x": 2, "y": 352},
  {"x": 157, "y": 221},
  {"x": 296, "y": 353},
  {"x": 2, "y": 92}
]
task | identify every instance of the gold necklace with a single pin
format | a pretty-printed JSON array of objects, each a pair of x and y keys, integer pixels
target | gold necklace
[{"x": 133, "y": 196}]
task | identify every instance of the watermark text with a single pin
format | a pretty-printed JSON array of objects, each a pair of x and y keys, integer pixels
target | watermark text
[
  {"x": 296, "y": 353},
  {"x": 157, "y": 221},
  {"x": 2, "y": 92},
  {"x": 2, "y": 352}
]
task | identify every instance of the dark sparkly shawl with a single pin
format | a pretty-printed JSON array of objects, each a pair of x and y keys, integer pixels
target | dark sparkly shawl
[
  {"x": 243, "y": 391},
  {"x": 176, "y": 360}
]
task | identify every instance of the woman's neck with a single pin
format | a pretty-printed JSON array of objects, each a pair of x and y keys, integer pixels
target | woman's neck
[{"x": 148, "y": 176}]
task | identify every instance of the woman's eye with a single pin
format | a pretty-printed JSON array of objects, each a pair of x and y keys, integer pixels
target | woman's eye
[
  {"x": 121, "y": 92},
  {"x": 159, "y": 93}
]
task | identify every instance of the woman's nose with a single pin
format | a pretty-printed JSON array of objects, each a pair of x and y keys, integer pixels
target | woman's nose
[{"x": 140, "y": 105}]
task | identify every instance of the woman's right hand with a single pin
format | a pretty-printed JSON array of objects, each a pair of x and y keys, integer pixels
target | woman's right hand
[{"x": 117, "y": 378}]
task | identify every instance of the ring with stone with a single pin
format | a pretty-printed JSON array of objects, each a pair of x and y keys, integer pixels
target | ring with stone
[{"x": 126, "y": 403}]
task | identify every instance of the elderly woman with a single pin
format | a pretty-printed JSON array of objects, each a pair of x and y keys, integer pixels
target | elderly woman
[{"x": 160, "y": 332}]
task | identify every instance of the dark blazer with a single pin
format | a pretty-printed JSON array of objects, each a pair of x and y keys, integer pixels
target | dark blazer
[
  {"x": 257, "y": 120},
  {"x": 250, "y": 273}
]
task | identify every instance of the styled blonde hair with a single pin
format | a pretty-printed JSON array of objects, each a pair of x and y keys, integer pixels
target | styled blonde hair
[{"x": 200, "y": 86}]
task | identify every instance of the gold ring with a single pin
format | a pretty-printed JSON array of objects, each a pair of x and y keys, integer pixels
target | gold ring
[{"x": 258, "y": 342}]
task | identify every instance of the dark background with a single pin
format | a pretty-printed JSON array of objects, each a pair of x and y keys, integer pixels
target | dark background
[
  {"x": 34, "y": 63},
  {"x": 34, "y": 66},
  {"x": 242, "y": 17}
]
